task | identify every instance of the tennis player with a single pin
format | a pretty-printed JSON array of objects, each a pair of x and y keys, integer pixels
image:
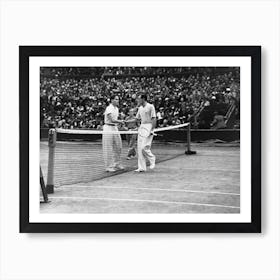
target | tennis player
[
  {"x": 112, "y": 143},
  {"x": 147, "y": 115}
]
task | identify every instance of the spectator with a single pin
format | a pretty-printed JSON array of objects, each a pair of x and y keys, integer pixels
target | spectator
[{"x": 218, "y": 122}]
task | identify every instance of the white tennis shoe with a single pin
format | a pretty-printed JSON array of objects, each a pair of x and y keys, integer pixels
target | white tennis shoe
[
  {"x": 139, "y": 170},
  {"x": 130, "y": 157},
  {"x": 119, "y": 167},
  {"x": 153, "y": 164},
  {"x": 111, "y": 169}
]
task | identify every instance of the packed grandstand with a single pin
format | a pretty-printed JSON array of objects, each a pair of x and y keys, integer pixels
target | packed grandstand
[{"x": 75, "y": 97}]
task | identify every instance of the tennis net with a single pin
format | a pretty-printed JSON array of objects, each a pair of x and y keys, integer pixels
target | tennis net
[{"x": 74, "y": 156}]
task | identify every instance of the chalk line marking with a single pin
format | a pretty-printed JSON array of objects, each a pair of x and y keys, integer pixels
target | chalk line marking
[
  {"x": 198, "y": 168},
  {"x": 151, "y": 189},
  {"x": 143, "y": 200}
]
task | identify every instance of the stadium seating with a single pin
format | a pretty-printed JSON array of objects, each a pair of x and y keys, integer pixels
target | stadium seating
[{"x": 76, "y": 97}]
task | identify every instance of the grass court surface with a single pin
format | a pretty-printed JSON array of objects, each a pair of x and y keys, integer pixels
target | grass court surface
[{"x": 208, "y": 182}]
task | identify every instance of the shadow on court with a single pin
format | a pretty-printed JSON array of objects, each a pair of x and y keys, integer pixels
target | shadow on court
[{"x": 208, "y": 182}]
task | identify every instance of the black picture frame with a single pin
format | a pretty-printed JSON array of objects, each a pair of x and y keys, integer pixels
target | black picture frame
[{"x": 25, "y": 52}]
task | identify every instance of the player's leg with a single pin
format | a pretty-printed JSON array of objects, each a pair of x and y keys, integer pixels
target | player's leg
[
  {"x": 129, "y": 155},
  {"x": 141, "y": 160},
  {"x": 107, "y": 151},
  {"x": 132, "y": 146},
  {"x": 117, "y": 150},
  {"x": 147, "y": 151}
]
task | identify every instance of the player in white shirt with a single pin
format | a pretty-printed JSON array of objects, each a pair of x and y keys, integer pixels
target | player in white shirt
[
  {"x": 112, "y": 143},
  {"x": 147, "y": 115}
]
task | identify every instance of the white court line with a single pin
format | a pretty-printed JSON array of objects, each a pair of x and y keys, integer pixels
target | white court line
[
  {"x": 143, "y": 200},
  {"x": 200, "y": 169},
  {"x": 151, "y": 189}
]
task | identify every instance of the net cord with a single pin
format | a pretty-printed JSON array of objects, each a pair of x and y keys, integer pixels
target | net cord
[{"x": 89, "y": 131}]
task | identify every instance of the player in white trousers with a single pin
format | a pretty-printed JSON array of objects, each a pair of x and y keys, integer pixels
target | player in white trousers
[
  {"x": 112, "y": 143},
  {"x": 147, "y": 115}
]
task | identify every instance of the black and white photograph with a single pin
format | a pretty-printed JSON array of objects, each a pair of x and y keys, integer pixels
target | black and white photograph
[
  {"x": 140, "y": 139},
  {"x": 156, "y": 137}
]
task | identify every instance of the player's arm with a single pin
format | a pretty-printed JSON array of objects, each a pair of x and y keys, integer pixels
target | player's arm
[
  {"x": 153, "y": 118},
  {"x": 112, "y": 120},
  {"x": 131, "y": 120},
  {"x": 154, "y": 123},
  {"x": 134, "y": 121}
]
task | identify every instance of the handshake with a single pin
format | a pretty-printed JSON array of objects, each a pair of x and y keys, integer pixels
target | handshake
[
  {"x": 122, "y": 124},
  {"x": 125, "y": 122}
]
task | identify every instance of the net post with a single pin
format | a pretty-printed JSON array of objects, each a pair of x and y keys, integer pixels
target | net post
[
  {"x": 189, "y": 151},
  {"x": 43, "y": 187},
  {"x": 52, "y": 144}
]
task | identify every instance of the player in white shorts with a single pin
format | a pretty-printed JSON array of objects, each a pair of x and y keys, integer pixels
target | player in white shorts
[
  {"x": 112, "y": 143},
  {"x": 147, "y": 115}
]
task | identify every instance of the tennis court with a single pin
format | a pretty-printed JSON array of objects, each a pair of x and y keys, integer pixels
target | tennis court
[{"x": 208, "y": 182}]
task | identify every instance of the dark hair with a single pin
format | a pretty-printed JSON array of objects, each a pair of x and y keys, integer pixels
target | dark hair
[
  {"x": 113, "y": 97},
  {"x": 144, "y": 96}
]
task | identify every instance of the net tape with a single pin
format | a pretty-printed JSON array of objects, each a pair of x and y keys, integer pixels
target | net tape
[{"x": 100, "y": 132}]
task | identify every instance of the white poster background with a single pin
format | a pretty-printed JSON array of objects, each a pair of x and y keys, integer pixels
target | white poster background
[
  {"x": 139, "y": 256},
  {"x": 245, "y": 137}
]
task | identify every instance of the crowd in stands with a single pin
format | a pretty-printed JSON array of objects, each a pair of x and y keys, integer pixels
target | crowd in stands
[
  {"x": 69, "y": 99},
  {"x": 118, "y": 71},
  {"x": 145, "y": 71}
]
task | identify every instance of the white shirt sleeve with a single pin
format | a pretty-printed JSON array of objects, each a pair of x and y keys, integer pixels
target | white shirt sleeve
[
  {"x": 153, "y": 112},
  {"x": 109, "y": 114},
  {"x": 109, "y": 110}
]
